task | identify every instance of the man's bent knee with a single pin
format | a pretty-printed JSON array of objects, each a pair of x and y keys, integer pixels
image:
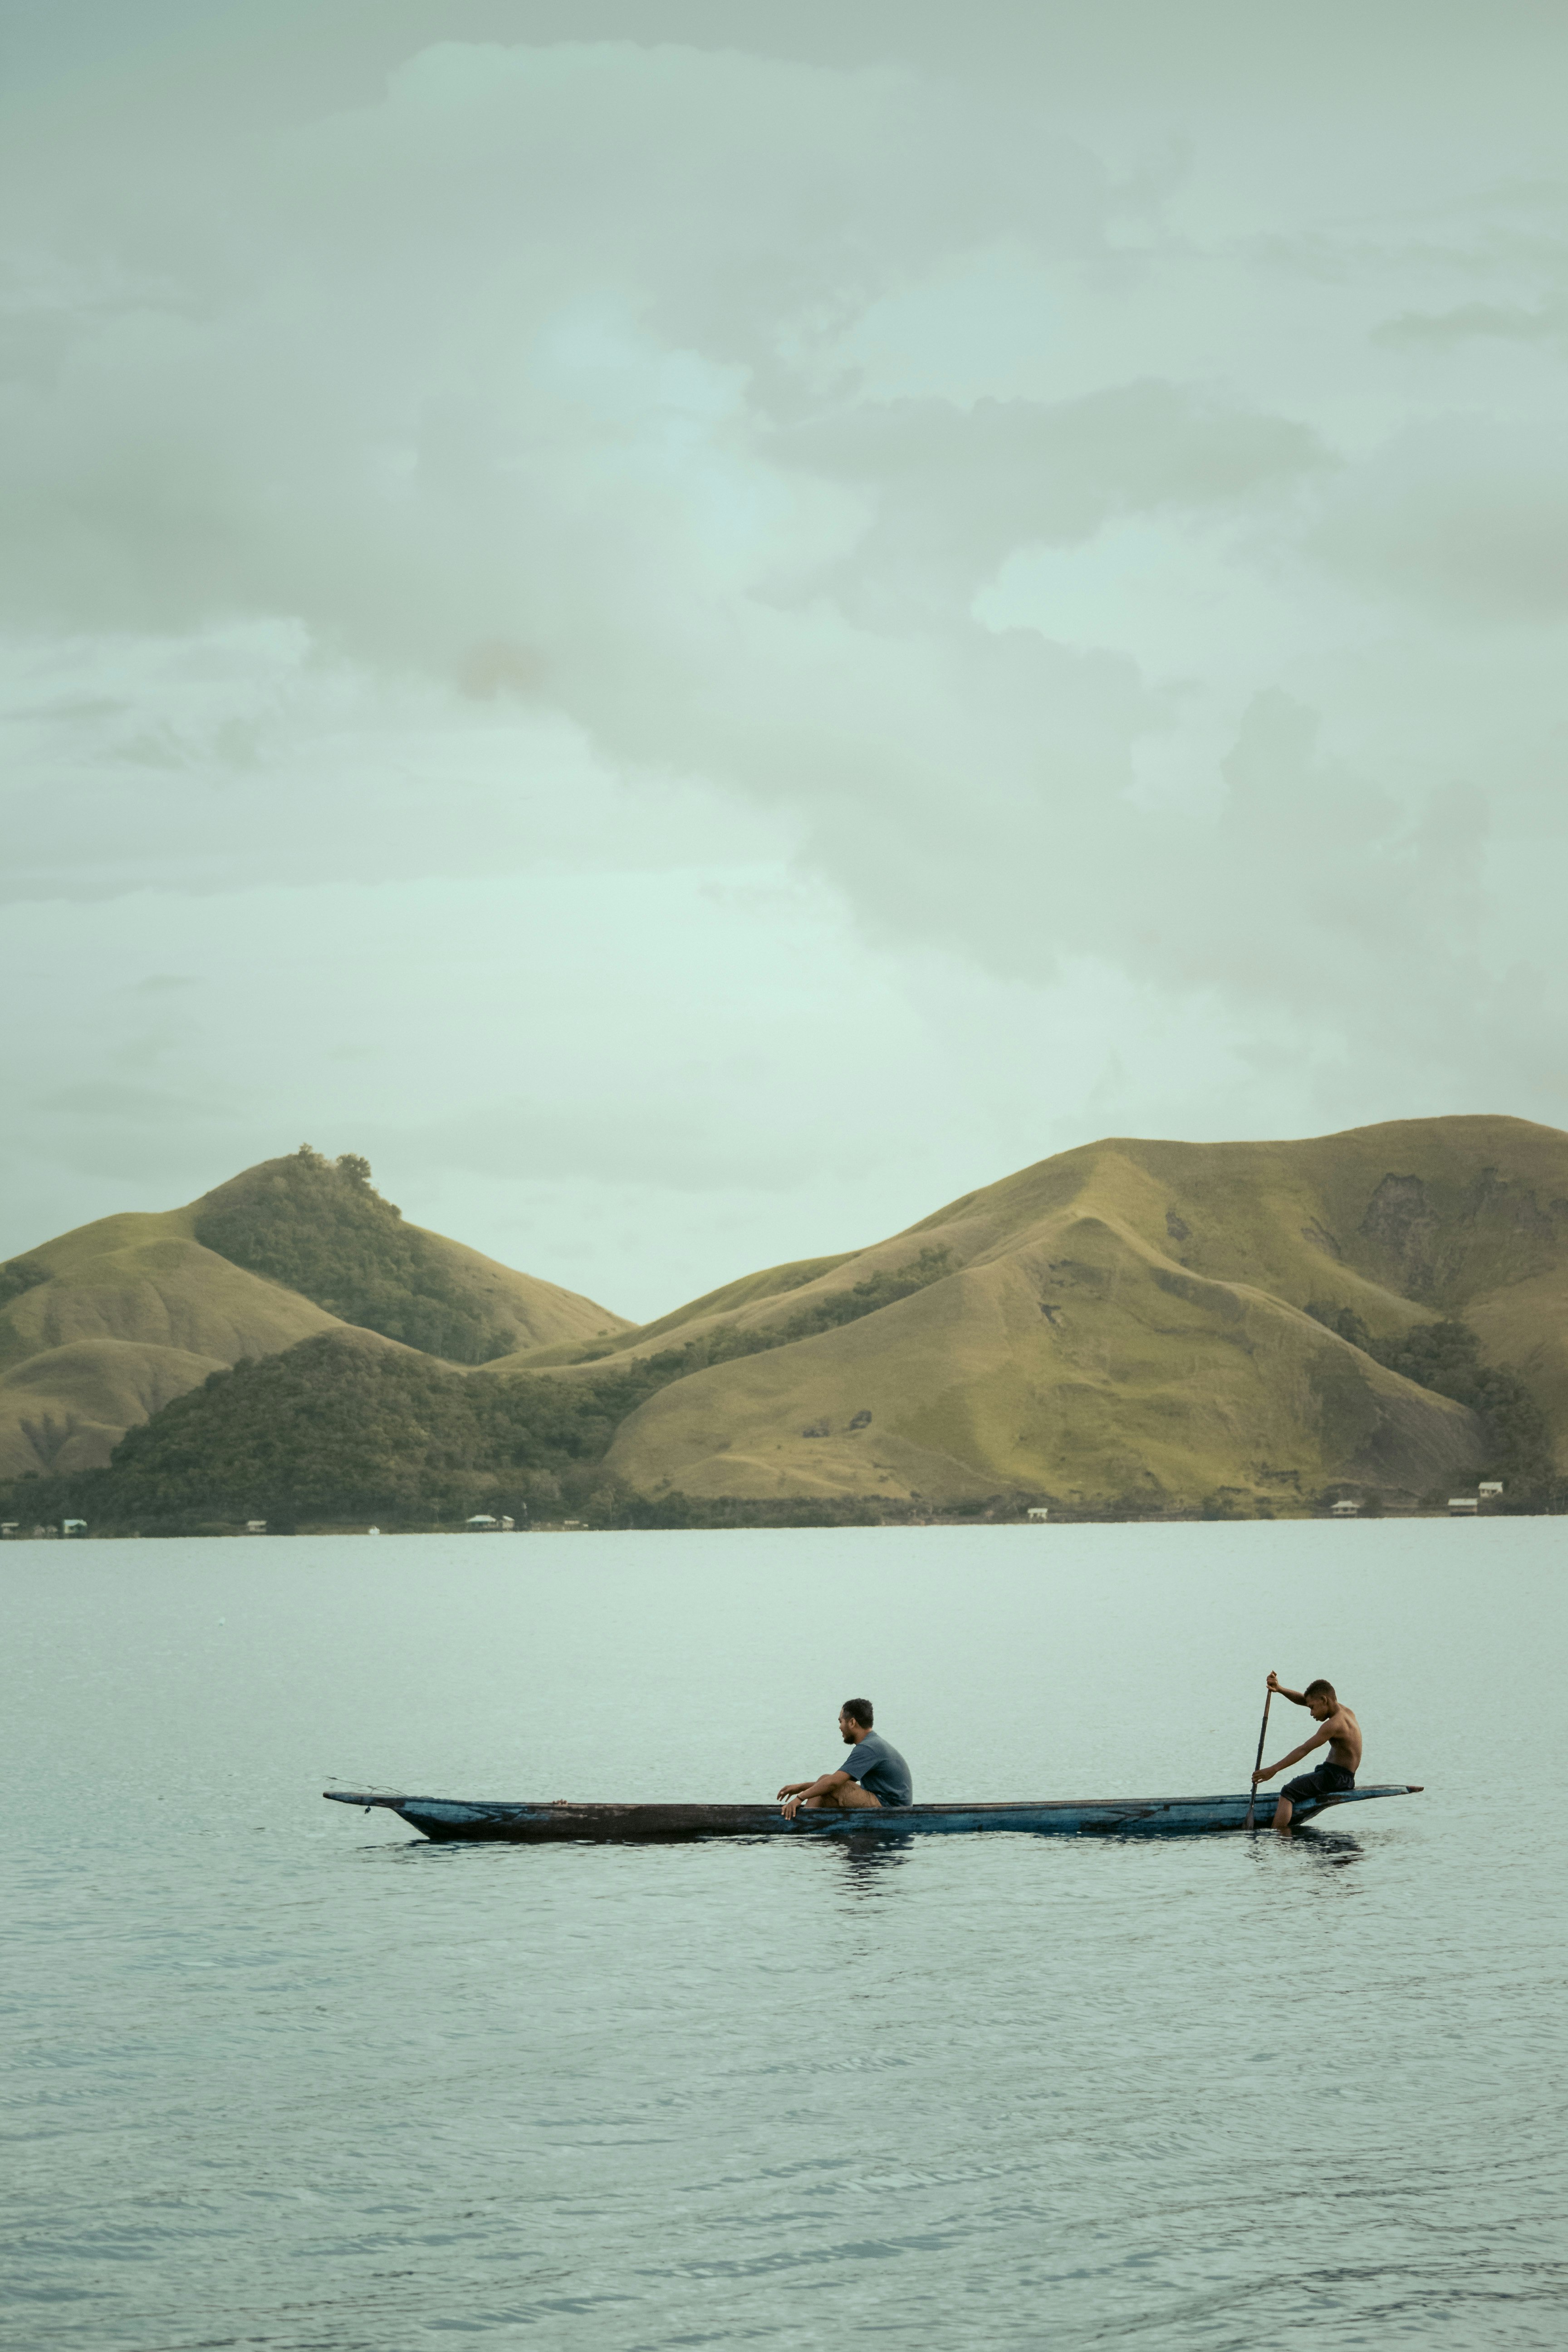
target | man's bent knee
[{"x": 850, "y": 1798}]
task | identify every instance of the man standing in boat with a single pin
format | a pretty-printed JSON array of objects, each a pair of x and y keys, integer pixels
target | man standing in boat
[
  {"x": 874, "y": 1774},
  {"x": 1335, "y": 1777}
]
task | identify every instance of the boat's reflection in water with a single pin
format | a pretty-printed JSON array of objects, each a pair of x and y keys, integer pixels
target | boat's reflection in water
[
  {"x": 867, "y": 1862},
  {"x": 1330, "y": 1849},
  {"x": 867, "y": 1859},
  {"x": 1322, "y": 1849}
]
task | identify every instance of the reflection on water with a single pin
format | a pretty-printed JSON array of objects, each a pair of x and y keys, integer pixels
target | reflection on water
[
  {"x": 292, "y": 2076},
  {"x": 1330, "y": 1848},
  {"x": 867, "y": 1862}
]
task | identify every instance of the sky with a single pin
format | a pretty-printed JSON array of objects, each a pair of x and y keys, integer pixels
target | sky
[{"x": 702, "y": 626}]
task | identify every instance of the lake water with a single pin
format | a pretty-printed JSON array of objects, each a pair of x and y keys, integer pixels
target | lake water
[{"x": 283, "y": 2075}]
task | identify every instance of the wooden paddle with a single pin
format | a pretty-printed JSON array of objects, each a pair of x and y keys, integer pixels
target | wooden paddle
[{"x": 1258, "y": 1766}]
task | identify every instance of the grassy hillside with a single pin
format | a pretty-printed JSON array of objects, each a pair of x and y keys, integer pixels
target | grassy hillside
[
  {"x": 707, "y": 1312},
  {"x": 774, "y": 1282},
  {"x": 104, "y": 1326},
  {"x": 1135, "y": 1325},
  {"x": 68, "y": 1407},
  {"x": 130, "y": 1311},
  {"x": 348, "y": 1425},
  {"x": 1129, "y": 1320}
]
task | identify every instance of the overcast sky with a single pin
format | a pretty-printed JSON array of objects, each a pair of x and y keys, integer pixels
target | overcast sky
[{"x": 699, "y": 626}]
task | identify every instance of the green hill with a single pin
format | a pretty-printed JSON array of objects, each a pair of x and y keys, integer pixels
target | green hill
[
  {"x": 106, "y": 1325},
  {"x": 1134, "y": 1326},
  {"x": 320, "y": 1228},
  {"x": 1131, "y": 1320}
]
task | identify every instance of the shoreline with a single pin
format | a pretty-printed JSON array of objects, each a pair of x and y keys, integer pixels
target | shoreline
[{"x": 804, "y": 1524}]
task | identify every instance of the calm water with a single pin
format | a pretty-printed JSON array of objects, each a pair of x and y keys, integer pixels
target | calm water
[{"x": 283, "y": 2076}]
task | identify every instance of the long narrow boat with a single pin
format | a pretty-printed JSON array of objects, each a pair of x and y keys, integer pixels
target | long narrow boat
[{"x": 525, "y": 1824}]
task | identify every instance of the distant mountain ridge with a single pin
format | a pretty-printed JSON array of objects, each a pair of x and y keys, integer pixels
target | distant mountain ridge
[{"x": 1133, "y": 1325}]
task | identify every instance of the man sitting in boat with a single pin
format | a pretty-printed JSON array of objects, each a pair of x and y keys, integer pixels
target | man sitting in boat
[
  {"x": 1335, "y": 1777},
  {"x": 875, "y": 1775}
]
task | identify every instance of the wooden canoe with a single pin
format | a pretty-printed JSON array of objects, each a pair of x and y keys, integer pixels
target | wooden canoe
[{"x": 526, "y": 1823}]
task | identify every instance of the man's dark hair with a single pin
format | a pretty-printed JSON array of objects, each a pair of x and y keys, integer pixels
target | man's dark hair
[
  {"x": 858, "y": 1710},
  {"x": 1321, "y": 1689}
]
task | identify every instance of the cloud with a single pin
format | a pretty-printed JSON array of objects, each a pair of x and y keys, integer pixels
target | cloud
[
  {"x": 954, "y": 491},
  {"x": 1084, "y": 531},
  {"x": 423, "y": 357},
  {"x": 1469, "y": 516},
  {"x": 113, "y": 1098},
  {"x": 1471, "y": 321}
]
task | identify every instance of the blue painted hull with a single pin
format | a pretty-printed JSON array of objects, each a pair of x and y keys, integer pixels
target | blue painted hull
[{"x": 525, "y": 1824}]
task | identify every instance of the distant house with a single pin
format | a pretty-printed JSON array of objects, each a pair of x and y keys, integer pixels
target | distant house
[
  {"x": 1490, "y": 1487},
  {"x": 1345, "y": 1509},
  {"x": 73, "y": 1526},
  {"x": 481, "y": 1522},
  {"x": 8, "y": 1528},
  {"x": 507, "y": 1525},
  {"x": 1039, "y": 1511},
  {"x": 1463, "y": 1507},
  {"x": 256, "y": 1526}
]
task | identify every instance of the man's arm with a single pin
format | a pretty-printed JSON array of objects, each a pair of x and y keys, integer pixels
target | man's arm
[
  {"x": 795, "y": 1793},
  {"x": 1269, "y": 1770},
  {"x": 1297, "y": 1698}
]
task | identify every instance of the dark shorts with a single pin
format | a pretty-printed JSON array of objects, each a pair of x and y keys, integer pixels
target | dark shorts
[{"x": 1312, "y": 1787}]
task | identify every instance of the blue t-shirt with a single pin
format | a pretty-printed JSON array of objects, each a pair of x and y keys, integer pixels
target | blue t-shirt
[{"x": 881, "y": 1769}]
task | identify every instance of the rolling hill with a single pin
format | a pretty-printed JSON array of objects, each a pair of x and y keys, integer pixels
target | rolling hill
[
  {"x": 102, "y": 1327},
  {"x": 1129, "y": 1322},
  {"x": 1133, "y": 1326}
]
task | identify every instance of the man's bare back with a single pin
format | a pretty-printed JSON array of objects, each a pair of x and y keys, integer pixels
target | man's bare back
[{"x": 1344, "y": 1736}]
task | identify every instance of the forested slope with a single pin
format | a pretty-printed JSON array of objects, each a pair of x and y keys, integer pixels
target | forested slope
[{"x": 104, "y": 1326}]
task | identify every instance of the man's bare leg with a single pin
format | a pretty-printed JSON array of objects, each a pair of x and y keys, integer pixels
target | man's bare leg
[
  {"x": 1282, "y": 1813},
  {"x": 850, "y": 1799}
]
